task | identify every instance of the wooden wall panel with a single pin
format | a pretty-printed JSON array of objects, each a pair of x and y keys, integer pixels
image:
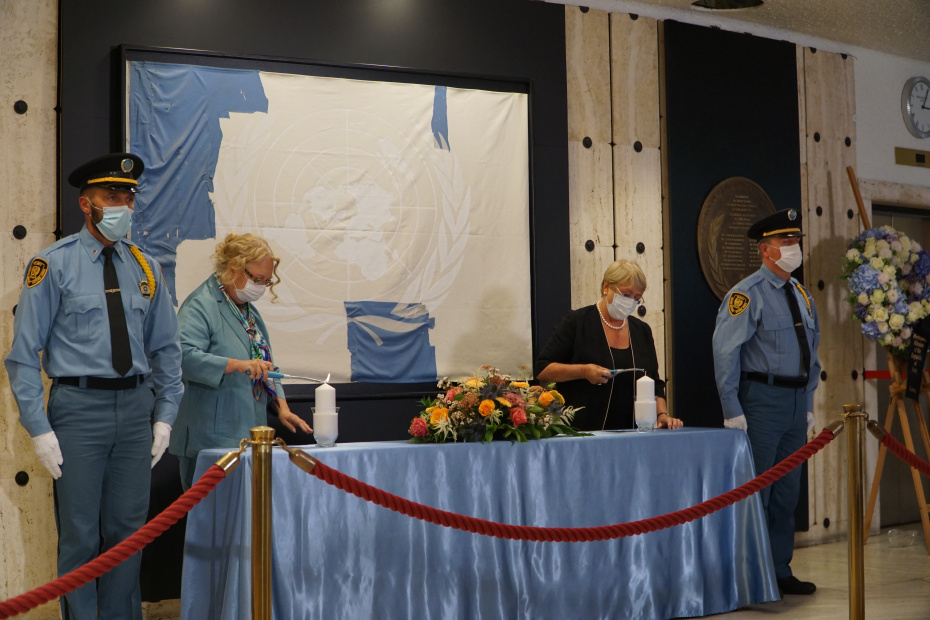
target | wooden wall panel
[
  {"x": 637, "y": 174},
  {"x": 28, "y": 57},
  {"x": 634, "y": 70},
  {"x": 590, "y": 194},
  {"x": 590, "y": 167},
  {"x": 587, "y": 270},
  {"x": 828, "y": 110},
  {"x": 638, "y": 219},
  {"x": 587, "y": 58},
  {"x": 615, "y": 189}
]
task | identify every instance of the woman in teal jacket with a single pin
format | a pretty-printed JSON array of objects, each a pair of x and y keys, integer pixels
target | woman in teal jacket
[{"x": 227, "y": 355}]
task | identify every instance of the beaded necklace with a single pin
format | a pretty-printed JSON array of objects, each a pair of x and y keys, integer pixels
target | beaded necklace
[{"x": 605, "y": 320}]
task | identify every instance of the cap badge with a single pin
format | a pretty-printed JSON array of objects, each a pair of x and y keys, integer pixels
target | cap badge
[
  {"x": 792, "y": 214},
  {"x": 126, "y": 166}
]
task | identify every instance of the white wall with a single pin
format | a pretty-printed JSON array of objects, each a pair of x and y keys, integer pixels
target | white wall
[{"x": 879, "y": 124}]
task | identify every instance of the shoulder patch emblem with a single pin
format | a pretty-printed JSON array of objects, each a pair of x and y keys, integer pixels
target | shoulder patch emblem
[
  {"x": 737, "y": 303},
  {"x": 36, "y": 272},
  {"x": 145, "y": 289}
]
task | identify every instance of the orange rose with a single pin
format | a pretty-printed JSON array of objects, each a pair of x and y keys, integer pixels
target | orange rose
[
  {"x": 437, "y": 415},
  {"x": 545, "y": 398},
  {"x": 486, "y": 407}
]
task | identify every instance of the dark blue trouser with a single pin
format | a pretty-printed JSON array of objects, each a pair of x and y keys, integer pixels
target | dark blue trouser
[
  {"x": 103, "y": 494},
  {"x": 776, "y": 418}
]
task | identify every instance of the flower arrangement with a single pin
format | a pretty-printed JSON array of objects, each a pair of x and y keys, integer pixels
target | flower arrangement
[
  {"x": 489, "y": 405},
  {"x": 889, "y": 286}
]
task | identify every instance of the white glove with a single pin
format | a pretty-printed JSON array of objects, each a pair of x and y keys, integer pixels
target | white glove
[
  {"x": 810, "y": 422},
  {"x": 738, "y": 422},
  {"x": 161, "y": 432},
  {"x": 49, "y": 453}
]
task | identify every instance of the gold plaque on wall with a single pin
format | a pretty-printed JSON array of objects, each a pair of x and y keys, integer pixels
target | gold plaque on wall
[{"x": 727, "y": 255}]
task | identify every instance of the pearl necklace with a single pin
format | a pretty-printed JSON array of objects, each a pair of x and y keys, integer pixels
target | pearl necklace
[{"x": 598, "y": 306}]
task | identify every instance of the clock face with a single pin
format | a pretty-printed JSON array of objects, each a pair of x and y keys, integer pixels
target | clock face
[{"x": 915, "y": 106}]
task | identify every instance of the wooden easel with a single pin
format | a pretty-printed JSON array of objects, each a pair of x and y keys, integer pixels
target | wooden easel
[{"x": 896, "y": 404}]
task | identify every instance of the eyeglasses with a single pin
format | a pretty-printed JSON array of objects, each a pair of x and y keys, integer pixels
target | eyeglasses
[
  {"x": 637, "y": 298},
  {"x": 258, "y": 281}
]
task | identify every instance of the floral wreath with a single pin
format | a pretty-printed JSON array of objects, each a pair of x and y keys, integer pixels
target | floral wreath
[{"x": 889, "y": 286}]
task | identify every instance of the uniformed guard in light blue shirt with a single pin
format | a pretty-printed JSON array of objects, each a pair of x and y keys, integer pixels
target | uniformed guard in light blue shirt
[
  {"x": 766, "y": 366},
  {"x": 97, "y": 310}
]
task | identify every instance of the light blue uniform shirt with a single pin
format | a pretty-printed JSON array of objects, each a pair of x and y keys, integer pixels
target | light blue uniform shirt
[
  {"x": 761, "y": 337},
  {"x": 64, "y": 316}
]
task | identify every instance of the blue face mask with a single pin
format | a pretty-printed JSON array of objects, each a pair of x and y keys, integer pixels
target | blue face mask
[{"x": 115, "y": 223}]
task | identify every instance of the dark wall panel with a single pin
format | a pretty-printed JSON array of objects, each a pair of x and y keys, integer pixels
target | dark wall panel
[{"x": 732, "y": 110}]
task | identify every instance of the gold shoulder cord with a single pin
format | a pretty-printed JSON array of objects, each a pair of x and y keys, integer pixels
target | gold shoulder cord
[
  {"x": 137, "y": 254},
  {"x": 806, "y": 298}
]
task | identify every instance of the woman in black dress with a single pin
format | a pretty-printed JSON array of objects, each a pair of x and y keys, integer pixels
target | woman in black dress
[{"x": 592, "y": 341}]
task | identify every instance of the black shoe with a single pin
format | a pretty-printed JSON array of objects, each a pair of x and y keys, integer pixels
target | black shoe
[{"x": 793, "y": 585}]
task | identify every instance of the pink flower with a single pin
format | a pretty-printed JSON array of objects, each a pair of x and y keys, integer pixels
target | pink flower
[
  {"x": 517, "y": 416},
  {"x": 418, "y": 427},
  {"x": 515, "y": 399},
  {"x": 451, "y": 394}
]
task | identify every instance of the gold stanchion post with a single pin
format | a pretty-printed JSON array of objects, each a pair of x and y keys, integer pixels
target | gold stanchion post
[
  {"x": 855, "y": 422},
  {"x": 261, "y": 440}
]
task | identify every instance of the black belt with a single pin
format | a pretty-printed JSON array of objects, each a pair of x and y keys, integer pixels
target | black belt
[
  {"x": 788, "y": 382},
  {"x": 102, "y": 383}
]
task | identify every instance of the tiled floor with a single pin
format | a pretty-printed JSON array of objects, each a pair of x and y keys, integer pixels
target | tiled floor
[{"x": 897, "y": 583}]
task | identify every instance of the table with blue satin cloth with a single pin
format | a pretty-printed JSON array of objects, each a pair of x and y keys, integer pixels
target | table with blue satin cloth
[{"x": 338, "y": 556}]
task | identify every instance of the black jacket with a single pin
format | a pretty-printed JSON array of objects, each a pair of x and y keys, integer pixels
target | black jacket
[{"x": 580, "y": 339}]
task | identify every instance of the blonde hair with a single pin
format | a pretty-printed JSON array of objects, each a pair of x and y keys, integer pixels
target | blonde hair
[
  {"x": 236, "y": 251},
  {"x": 624, "y": 273}
]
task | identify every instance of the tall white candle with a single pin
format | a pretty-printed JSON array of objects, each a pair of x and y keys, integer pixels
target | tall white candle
[
  {"x": 644, "y": 407},
  {"x": 645, "y": 388},
  {"x": 325, "y": 399}
]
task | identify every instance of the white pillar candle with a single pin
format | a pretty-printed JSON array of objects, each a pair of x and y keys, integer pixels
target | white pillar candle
[
  {"x": 326, "y": 399},
  {"x": 645, "y": 388},
  {"x": 644, "y": 407}
]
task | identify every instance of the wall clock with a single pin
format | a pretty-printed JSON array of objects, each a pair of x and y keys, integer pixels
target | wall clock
[{"x": 915, "y": 106}]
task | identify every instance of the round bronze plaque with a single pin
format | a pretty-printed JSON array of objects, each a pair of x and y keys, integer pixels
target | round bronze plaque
[{"x": 727, "y": 255}]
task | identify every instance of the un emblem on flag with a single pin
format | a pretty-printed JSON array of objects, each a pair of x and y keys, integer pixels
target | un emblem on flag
[{"x": 738, "y": 302}]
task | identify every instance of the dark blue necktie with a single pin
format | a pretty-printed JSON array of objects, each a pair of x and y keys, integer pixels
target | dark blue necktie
[
  {"x": 120, "y": 349},
  {"x": 799, "y": 329}
]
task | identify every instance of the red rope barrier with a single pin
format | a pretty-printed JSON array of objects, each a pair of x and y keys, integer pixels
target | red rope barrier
[
  {"x": 560, "y": 534},
  {"x": 114, "y": 556},
  {"x": 895, "y": 447}
]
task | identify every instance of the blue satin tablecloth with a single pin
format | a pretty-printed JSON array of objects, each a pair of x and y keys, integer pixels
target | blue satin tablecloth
[{"x": 337, "y": 556}]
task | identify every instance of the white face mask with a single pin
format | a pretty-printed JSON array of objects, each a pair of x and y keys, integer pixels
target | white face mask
[
  {"x": 790, "y": 257},
  {"x": 621, "y": 307},
  {"x": 251, "y": 293}
]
